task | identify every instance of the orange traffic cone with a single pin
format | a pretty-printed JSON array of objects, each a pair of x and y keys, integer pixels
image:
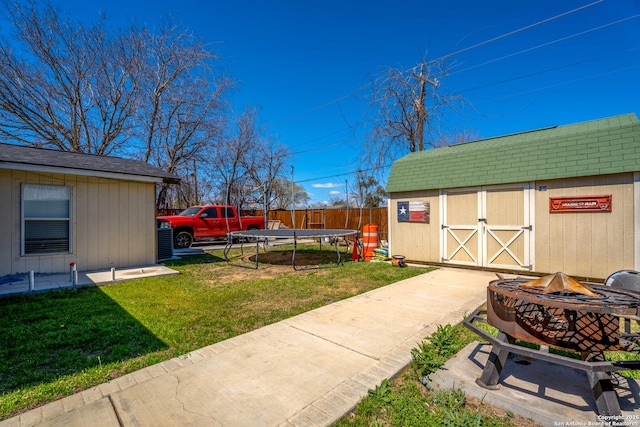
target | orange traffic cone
[{"x": 354, "y": 254}]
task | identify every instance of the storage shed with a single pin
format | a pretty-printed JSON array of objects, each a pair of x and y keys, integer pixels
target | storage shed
[
  {"x": 564, "y": 198},
  {"x": 60, "y": 208}
]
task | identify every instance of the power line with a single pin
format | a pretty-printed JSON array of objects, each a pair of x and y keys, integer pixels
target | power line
[
  {"x": 321, "y": 137},
  {"x": 509, "y": 96},
  {"x": 500, "y": 82},
  {"x": 344, "y": 174},
  {"x": 597, "y": 58},
  {"x": 581, "y": 33},
  {"x": 492, "y": 84},
  {"x": 323, "y": 147},
  {"x": 493, "y": 100},
  {"x": 527, "y": 27},
  {"x": 563, "y": 83},
  {"x": 535, "y": 24},
  {"x": 320, "y": 107},
  {"x": 483, "y": 87}
]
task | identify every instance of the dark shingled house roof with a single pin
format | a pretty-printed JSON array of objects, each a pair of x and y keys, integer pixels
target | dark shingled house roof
[
  {"x": 45, "y": 160},
  {"x": 597, "y": 147}
]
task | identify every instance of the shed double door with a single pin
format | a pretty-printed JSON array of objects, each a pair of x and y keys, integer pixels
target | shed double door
[{"x": 487, "y": 227}]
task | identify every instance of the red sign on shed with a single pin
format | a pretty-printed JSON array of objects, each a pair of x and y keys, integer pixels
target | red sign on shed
[{"x": 580, "y": 204}]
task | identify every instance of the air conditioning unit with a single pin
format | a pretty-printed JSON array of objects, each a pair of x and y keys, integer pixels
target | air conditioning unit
[{"x": 165, "y": 243}]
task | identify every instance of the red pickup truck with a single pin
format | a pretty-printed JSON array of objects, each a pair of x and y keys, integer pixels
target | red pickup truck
[{"x": 206, "y": 222}]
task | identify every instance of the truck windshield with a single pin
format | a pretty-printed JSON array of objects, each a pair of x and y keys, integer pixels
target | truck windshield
[{"x": 190, "y": 211}]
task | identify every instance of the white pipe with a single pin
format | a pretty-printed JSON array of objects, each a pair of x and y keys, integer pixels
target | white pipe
[
  {"x": 113, "y": 274},
  {"x": 74, "y": 274},
  {"x": 32, "y": 281}
]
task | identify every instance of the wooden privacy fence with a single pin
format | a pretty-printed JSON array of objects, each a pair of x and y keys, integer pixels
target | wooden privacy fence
[{"x": 332, "y": 218}]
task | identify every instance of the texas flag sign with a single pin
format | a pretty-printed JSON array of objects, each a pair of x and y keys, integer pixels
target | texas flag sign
[{"x": 415, "y": 211}]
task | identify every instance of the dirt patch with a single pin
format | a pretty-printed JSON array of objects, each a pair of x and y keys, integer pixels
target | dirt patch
[
  {"x": 275, "y": 263},
  {"x": 305, "y": 258},
  {"x": 239, "y": 273}
]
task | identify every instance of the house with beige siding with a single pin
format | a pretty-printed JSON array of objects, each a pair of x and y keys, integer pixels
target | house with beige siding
[
  {"x": 563, "y": 198},
  {"x": 60, "y": 208}
]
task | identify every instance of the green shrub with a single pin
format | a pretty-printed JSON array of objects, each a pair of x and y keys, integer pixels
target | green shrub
[
  {"x": 461, "y": 418},
  {"x": 434, "y": 352}
]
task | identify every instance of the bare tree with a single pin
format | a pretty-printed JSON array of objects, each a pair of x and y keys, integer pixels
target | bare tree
[
  {"x": 248, "y": 163},
  {"x": 226, "y": 163},
  {"x": 370, "y": 193},
  {"x": 66, "y": 86},
  {"x": 458, "y": 137},
  {"x": 181, "y": 92},
  {"x": 182, "y": 103},
  {"x": 288, "y": 194},
  {"x": 155, "y": 95},
  {"x": 265, "y": 163},
  {"x": 407, "y": 106}
]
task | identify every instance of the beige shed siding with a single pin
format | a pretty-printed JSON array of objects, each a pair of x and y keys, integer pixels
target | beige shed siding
[
  {"x": 415, "y": 241},
  {"x": 113, "y": 224},
  {"x": 6, "y": 233},
  {"x": 586, "y": 244}
]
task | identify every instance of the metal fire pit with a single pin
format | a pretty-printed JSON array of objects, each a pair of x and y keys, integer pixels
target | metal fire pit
[
  {"x": 558, "y": 311},
  {"x": 565, "y": 320}
]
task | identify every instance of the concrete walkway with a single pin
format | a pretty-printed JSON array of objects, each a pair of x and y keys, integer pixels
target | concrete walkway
[{"x": 308, "y": 370}]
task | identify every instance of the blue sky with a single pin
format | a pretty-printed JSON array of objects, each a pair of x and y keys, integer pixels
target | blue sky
[{"x": 304, "y": 64}]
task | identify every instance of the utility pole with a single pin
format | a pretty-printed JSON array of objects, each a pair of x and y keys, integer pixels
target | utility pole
[
  {"x": 265, "y": 205},
  {"x": 419, "y": 104},
  {"x": 346, "y": 192},
  {"x": 293, "y": 200},
  {"x": 195, "y": 181}
]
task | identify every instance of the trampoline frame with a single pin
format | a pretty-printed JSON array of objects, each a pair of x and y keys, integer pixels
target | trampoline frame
[{"x": 287, "y": 233}]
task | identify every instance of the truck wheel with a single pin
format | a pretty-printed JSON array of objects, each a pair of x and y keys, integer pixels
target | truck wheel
[{"x": 183, "y": 240}]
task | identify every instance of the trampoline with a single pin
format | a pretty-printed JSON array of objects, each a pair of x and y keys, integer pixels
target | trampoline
[{"x": 288, "y": 233}]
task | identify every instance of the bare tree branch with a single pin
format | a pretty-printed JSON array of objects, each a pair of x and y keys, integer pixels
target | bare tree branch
[
  {"x": 247, "y": 163},
  {"x": 64, "y": 85},
  {"x": 407, "y": 107},
  {"x": 155, "y": 95}
]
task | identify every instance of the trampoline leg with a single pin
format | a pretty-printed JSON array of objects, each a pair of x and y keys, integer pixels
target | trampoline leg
[
  {"x": 227, "y": 248},
  {"x": 257, "y": 251},
  {"x": 293, "y": 257}
]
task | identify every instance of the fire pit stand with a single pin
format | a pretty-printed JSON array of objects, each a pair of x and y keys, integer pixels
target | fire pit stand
[{"x": 563, "y": 320}]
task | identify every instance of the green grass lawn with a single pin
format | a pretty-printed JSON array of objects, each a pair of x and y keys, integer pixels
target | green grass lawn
[{"x": 55, "y": 344}]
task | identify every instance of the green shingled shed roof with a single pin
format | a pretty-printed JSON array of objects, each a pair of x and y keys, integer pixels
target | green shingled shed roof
[{"x": 597, "y": 147}]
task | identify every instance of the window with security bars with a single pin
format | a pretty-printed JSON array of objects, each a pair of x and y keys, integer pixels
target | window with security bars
[{"x": 46, "y": 219}]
